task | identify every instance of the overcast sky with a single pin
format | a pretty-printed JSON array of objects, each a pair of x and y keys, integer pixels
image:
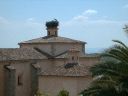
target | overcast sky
[{"x": 96, "y": 22}]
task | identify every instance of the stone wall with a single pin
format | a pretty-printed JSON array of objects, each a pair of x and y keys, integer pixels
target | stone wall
[
  {"x": 35, "y": 69},
  {"x": 10, "y": 81},
  {"x": 53, "y": 84},
  {"x": 89, "y": 61},
  {"x": 56, "y": 48},
  {"x": 2, "y": 79},
  {"x": 22, "y": 68}
]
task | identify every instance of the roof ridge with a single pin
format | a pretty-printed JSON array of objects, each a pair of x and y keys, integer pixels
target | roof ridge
[
  {"x": 46, "y": 39},
  {"x": 42, "y": 52}
]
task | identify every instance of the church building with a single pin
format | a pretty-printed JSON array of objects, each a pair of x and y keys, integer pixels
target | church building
[{"x": 47, "y": 64}]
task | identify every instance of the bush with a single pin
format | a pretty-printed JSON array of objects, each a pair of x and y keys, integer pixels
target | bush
[
  {"x": 63, "y": 93},
  {"x": 38, "y": 93}
]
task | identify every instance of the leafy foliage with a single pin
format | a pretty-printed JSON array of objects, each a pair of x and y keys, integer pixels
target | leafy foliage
[
  {"x": 126, "y": 28},
  {"x": 111, "y": 74},
  {"x": 63, "y": 93},
  {"x": 38, "y": 93}
]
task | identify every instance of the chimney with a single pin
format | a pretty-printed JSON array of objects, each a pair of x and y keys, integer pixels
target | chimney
[{"x": 52, "y": 28}]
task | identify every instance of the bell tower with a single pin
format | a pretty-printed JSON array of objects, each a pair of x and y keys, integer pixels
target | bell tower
[{"x": 52, "y": 28}]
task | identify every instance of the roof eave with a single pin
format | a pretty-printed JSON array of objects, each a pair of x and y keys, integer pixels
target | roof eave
[{"x": 49, "y": 42}]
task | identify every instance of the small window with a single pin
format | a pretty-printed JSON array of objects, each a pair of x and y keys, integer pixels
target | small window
[
  {"x": 20, "y": 79},
  {"x": 72, "y": 57}
]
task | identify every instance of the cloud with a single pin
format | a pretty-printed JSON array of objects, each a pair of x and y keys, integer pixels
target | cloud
[
  {"x": 80, "y": 18},
  {"x": 125, "y": 6},
  {"x": 83, "y": 17},
  {"x": 98, "y": 33},
  {"x": 24, "y": 25},
  {"x": 20, "y": 30},
  {"x": 31, "y": 22},
  {"x": 31, "y": 19},
  {"x": 90, "y": 12}
]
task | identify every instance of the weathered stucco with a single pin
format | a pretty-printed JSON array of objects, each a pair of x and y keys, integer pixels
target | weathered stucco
[
  {"x": 55, "y": 48},
  {"x": 53, "y": 84},
  {"x": 24, "y": 69}
]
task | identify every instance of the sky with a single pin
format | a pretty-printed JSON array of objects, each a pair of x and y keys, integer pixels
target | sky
[{"x": 96, "y": 22}]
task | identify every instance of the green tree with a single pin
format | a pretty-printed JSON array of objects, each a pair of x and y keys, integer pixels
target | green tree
[
  {"x": 111, "y": 75},
  {"x": 126, "y": 29},
  {"x": 63, "y": 93},
  {"x": 38, "y": 93}
]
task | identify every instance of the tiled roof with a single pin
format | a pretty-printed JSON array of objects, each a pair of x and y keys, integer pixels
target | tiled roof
[
  {"x": 19, "y": 54},
  {"x": 57, "y": 39},
  {"x": 81, "y": 55},
  {"x": 78, "y": 70},
  {"x": 64, "y": 54}
]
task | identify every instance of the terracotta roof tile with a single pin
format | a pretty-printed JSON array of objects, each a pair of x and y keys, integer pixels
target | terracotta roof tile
[
  {"x": 62, "y": 71},
  {"x": 81, "y": 55},
  {"x": 19, "y": 54}
]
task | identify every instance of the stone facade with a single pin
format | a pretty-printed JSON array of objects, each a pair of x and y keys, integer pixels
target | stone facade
[
  {"x": 53, "y": 84},
  {"x": 47, "y": 64}
]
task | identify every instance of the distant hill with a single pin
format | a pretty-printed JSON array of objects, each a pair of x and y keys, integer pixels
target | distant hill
[{"x": 94, "y": 50}]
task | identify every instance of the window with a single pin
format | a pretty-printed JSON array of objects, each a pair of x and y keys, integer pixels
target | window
[
  {"x": 20, "y": 79},
  {"x": 72, "y": 57}
]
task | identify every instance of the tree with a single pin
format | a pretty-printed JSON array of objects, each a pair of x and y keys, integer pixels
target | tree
[
  {"x": 38, "y": 93},
  {"x": 63, "y": 93},
  {"x": 126, "y": 29},
  {"x": 111, "y": 75}
]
